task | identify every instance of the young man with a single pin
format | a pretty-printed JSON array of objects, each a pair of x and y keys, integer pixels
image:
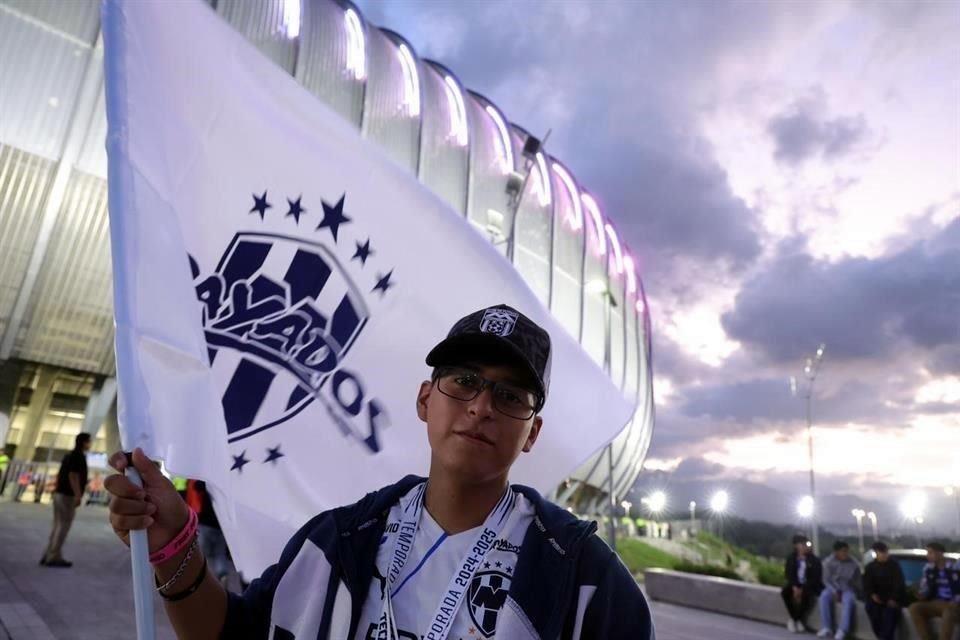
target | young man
[
  {"x": 71, "y": 482},
  {"x": 804, "y": 583},
  {"x": 939, "y": 595},
  {"x": 841, "y": 579},
  {"x": 461, "y": 554},
  {"x": 884, "y": 592}
]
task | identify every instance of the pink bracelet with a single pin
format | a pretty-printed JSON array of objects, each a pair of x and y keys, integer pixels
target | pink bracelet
[{"x": 179, "y": 542}]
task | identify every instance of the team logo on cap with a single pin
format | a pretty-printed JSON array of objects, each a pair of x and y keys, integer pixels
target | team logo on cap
[{"x": 499, "y": 322}]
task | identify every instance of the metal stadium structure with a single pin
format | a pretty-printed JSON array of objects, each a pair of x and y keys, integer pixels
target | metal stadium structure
[{"x": 56, "y": 321}]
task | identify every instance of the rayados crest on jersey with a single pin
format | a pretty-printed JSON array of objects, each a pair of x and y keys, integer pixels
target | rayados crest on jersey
[
  {"x": 485, "y": 598},
  {"x": 280, "y": 314}
]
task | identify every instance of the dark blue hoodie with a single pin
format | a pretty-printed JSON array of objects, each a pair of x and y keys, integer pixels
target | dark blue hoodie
[{"x": 568, "y": 584}]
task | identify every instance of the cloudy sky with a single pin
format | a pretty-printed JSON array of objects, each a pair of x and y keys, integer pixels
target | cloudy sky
[{"x": 788, "y": 173}]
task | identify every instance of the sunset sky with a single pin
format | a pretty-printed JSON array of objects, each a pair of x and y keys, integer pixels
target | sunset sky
[{"x": 788, "y": 173}]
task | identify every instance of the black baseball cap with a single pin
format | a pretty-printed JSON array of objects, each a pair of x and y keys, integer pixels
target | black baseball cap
[
  {"x": 499, "y": 332},
  {"x": 800, "y": 539}
]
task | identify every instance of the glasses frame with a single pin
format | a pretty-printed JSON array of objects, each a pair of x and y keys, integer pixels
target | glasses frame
[{"x": 488, "y": 384}]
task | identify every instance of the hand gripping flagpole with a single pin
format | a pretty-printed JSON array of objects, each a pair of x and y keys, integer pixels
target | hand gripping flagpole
[{"x": 142, "y": 573}]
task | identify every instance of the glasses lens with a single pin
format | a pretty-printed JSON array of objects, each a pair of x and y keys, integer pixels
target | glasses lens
[
  {"x": 461, "y": 385},
  {"x": 508, "y": 400},
  {"x": 514, "y": 402}
]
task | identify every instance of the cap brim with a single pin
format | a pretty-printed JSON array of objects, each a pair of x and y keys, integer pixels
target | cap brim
[{"x": 481, "y": 347}]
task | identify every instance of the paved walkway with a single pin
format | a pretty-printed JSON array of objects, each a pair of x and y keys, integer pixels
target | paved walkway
[{"x": 93, "y": 599}]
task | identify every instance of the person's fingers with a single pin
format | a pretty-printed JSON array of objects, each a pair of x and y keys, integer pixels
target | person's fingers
[
  {"x": 128, "y": 507},
  {"x": 118, "y": 460},
  {"x": 121, "y": 486},
  {"x": 130, "y": 523},
  {"x": 149, "y": 471}
]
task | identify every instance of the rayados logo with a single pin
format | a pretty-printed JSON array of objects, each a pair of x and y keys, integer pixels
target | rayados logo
[{"x": 280, "y": 315}]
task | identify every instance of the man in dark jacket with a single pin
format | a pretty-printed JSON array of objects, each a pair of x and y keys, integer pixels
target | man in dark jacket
[
  {"x": 884, "y": 592},
  {"x": 804, "y": 583},
  {"x": 71, "y": 483},
  {"x": 462, "y": 553},
  {"x": 939, "y": 595}
]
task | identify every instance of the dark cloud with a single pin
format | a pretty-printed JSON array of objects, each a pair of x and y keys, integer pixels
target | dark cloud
[
  {"x": 622, "y": 111},
  {"x": 862, "y": 308},
  {"x": 803, "y": 132},
  {"x": 759, "y": 405}
]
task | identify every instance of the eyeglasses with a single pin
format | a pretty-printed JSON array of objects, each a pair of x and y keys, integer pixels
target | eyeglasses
[{"x": 510, "y": 400}]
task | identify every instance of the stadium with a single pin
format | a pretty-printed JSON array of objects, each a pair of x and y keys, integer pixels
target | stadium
[{"x": 57, "y": 370}]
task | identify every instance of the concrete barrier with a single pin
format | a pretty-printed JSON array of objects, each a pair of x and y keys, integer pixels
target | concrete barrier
[{"x": 747, "y": 600}]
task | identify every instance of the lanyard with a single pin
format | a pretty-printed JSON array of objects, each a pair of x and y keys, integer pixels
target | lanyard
[{"x": 459, "y": 584}]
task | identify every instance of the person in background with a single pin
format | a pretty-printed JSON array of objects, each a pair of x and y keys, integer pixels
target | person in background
[
  {"x": 23, "y": 481},
  {"x": 180, "y": 484},
  {"x": 841, "y": 579},
  {"x": 4, "y": 462},
  {"x": 884, "y": 592},
  {"x": 212, "y": 543},
  {"x": 71, "y": 482},
  {"x": 939, "y": 595},
  {"x": 804, "y": 583}
]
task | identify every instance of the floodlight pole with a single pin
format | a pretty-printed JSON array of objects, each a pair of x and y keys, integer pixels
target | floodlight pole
[{"x": 810, "y": 371}]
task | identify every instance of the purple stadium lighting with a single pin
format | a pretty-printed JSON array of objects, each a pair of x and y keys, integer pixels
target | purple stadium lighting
[
  {"x": 574, "y": 217},
  {"x": 600, "y": 238},
  {"x": 616, "y": 266},
  {"x": 290, "y": 12},
  {"x": 630, "y": 269},
  {"x": 506, "y": 148},
  {"x": 546, "y": 195},
  {"x": 356, "y": 54},
  {"x": 458, "y": 112},
  {"x": 411, "y": 81}
]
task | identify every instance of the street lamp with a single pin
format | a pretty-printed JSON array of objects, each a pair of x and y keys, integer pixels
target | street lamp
[
  {"x": 805, "y": 507},
  {"x": 718, "y": 504},
  {"x": 810, "y": 371},
  {"x": 657, "y": 502},
  {"x": 912, "y": 507},
  {"x": 873, "y": 523},
  {"x": 858, "y": 514},
  {"x": 626, "y": 504}
]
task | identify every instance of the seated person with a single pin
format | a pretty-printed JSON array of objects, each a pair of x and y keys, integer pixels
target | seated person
[
  {"x": 939, "y": 595},
  {"x": 884, "y": 592},
  {"x": 841, "y": 579},
  {"x": 804, "y": 583}
]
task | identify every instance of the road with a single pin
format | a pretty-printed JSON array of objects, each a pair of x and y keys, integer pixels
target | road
[{"x": 93, "y": 599}]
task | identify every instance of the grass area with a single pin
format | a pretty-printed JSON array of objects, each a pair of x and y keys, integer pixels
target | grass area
[
  {"x": 766, "y": 572},
  {"x": 720, "y": 559},
  {"x": 640, "y": 556}
]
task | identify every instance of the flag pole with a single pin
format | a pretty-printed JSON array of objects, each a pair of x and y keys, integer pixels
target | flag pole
[{"x": 142, "y": 574}]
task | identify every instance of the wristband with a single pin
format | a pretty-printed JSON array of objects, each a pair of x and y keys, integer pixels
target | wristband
[{"x": 179, "y": 542}]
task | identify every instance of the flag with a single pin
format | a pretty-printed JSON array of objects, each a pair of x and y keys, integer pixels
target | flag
[{"x": 279, "y": 281}]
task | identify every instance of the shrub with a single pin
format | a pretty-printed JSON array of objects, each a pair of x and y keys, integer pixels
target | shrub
[
  {"x": 639, "y": 556},
  {"x": 771, "y": 574},
  {"x": 707, "y": 570}
]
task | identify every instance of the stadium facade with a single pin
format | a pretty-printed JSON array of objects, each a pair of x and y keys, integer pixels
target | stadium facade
[{"x": 56, "y": 325}]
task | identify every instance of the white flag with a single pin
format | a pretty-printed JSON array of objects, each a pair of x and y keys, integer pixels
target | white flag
[{"x": 279, "y": 281}]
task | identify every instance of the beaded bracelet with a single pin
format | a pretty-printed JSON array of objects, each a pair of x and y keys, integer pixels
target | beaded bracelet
[{"x": 179, "y": 541}]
